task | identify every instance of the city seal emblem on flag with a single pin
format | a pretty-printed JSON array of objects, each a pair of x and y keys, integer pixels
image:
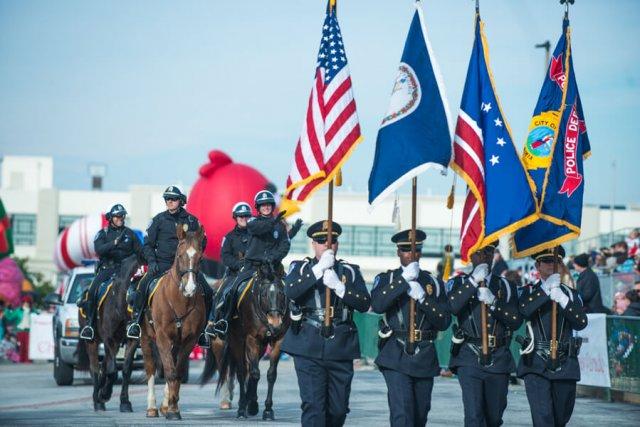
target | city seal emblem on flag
[
  {"x": 542, "y": 129},
  {"x": 405, "y": 96}
]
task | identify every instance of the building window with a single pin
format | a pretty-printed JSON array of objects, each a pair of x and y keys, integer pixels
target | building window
[
  {"x": 24, "y": 229},
  {"x": 65, "y": 220}
]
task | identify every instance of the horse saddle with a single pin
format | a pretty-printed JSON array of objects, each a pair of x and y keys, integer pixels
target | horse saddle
[
  {"x": 153, "y": 287},
  {"x": 244, "y": 287},
  {"x": 101, "y": 295}
]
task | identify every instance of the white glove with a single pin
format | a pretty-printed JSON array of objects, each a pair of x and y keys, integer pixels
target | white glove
[
  {"x": 332, "y": 281},
  {"x": 411, "y": 271},
  {"x": 479, "y": 274},
  {"x": 560, "y": 297},
  {"x": 415, "y": 291},
  {"x": 485, "y": 295},
  {"x": 326, "y": 261},
  {"x": 553, "y": 281}
]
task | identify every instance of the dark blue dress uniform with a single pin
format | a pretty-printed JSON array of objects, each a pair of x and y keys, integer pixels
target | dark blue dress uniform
[
  {"x": 409, "y": 378},
  {"x": 551, "y": 394},
  {"x": 484, "y": 388},
  {"x": 324, "y": 366}
]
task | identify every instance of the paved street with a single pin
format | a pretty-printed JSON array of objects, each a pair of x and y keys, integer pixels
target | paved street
[{"x": 29, "y": 396}]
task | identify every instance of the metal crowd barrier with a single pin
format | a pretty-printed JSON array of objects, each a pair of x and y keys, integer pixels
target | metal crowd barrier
[{"x": 623, "y": 347}]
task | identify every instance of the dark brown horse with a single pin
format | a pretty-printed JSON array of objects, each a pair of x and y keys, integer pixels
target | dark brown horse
[
  {"x": 173, "y": 321},
  {"x": 263, "y": 319},
  {"x": 111, "y": 330}
]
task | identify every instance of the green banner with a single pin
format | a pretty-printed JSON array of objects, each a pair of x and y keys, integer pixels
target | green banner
[{"x": 623, "y": 346}]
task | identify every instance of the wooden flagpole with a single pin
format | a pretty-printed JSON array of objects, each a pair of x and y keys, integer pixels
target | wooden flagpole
[{"x": 411, "y": 326}]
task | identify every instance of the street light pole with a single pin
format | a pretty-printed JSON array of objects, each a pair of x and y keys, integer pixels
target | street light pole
[{"x": 547, "y": 49}]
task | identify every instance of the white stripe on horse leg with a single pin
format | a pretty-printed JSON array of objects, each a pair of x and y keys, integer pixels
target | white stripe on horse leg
[
  {"x": 165, "y": 398},
  {"x": 151, "y": 392}
]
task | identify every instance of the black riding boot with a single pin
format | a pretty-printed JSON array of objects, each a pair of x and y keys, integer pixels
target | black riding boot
[
  {"x": 219, "y": 319},
  {"x": 133, "y": 330},
  {"x": 87, "y": 332}
]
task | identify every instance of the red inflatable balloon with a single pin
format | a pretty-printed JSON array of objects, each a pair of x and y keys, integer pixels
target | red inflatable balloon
[{"x": 221, "y": 185}]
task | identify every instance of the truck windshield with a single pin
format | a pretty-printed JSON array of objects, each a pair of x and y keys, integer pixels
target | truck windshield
[{"x": 80, "y": 283}]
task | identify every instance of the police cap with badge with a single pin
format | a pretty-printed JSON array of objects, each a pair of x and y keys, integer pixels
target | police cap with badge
[
  {"x": 403, "y": 240},
  {"x": 319, "y": 231},
  {"x": 547, "y": 255}
]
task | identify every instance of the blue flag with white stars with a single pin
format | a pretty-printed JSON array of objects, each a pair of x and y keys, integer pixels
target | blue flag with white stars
[{"x": 500, "y": 199}]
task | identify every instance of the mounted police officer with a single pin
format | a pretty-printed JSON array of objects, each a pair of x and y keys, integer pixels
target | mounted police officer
[
  {"x": 324, "y": 365},
  {"x": 484, "y": 383},
  {"x": 112, "y": 245},
  {"x": 409, "y": 377},
  {"x": 160, "y": 247},
  {"x": 268, "y": 245},
  {"x": 551, "y": 390},
  {"x": 234, "y": 248}
]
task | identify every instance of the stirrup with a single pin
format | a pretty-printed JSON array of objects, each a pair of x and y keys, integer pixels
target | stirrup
[
  {"x": 87, "y": 333},
  {"x": 133, "y": 331},
  {"x": 221, "y": 327}
]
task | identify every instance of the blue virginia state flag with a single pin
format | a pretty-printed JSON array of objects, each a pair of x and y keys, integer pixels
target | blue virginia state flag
[
  {"x": 499, "y": 199},
  {"x": 556, "y": 146},
  {"x": 414, "y": 134}
]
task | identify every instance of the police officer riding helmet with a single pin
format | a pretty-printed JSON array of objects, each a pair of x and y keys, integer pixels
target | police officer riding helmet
[
  {"x": 116, "y": 210},
  {"x": 241, "y": 209},
  {"x": 264, "y": 197},
  {"x": 174, "y": 193}
]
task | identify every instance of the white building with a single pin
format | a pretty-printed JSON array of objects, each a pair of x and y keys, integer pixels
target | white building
[{"x": 39, "y": 211}]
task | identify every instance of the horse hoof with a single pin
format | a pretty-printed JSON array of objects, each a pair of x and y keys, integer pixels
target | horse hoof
[
  {"x": 267, "y": 415},
  {"x": 126, "y": 407},
  {"x": 173, "y": 416},
  {"x": 252, "y": 408},
  {"x": 242, "y": 413},
  {"x": 164, "y": 410},
  {"x": 99, "y": 406},
  {"x": 152, "y": 413}
]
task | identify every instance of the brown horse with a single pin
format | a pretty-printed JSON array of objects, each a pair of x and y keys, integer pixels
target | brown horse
[
  {"x": 173, "y": 321},
  {"x": 263, "y": 319},
  {"x": 111, "y": 330}
]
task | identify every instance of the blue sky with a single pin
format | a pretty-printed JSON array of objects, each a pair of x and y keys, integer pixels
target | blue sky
[{"x": 149, "y": 87}]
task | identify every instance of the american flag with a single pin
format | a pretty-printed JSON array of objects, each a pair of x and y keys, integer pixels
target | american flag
[
  {"x": 499, "y": 197},
  {"x": 331, "y": 129}
]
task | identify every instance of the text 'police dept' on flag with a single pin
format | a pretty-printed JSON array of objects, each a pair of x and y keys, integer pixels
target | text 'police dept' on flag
[
  {"x": 414, "y": 134},
  {"x": 331, "y": 130},
  {"x": 553, "y": 154},
  {"x": 499, "y": 198}
]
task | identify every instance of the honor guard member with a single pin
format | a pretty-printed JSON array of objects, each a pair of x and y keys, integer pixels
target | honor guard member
[
  {"x": 324, "y": 366},
  {"x": 409, "y": 377},
  {"x": 268, "y": 245},
  {"x": 234, "y": 248},
  {"x": 551, "y": 391},
  {"x": 112, "y": 244},
  {"x": 484, "y": 383},
  {"x": 160, "y": 247}
]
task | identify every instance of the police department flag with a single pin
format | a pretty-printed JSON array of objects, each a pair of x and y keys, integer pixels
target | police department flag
[
  {"x": 331, "y": 130},
  {"x": 555, "y": 148},
  {"x": 414, "y": 134},
  {"x": 499, "y": 199}
]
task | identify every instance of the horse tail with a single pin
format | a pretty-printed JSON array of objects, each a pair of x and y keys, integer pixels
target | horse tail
[
  {"x": 228, "y": 367},
  {"x": 209, "y": 367},
  {"x": 83, "y": 356}
]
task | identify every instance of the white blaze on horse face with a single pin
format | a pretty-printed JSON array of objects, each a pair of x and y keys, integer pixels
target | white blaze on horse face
[
  {"x": 190, "y": 287},
  {"x": 151, "y": 392}
]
